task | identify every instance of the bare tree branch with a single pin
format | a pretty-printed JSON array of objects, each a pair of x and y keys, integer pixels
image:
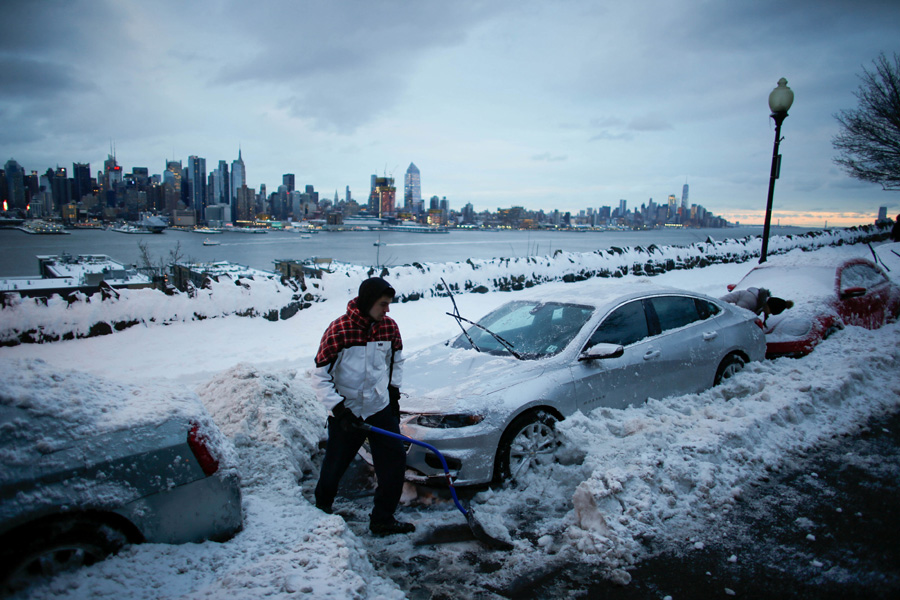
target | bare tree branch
[{"x": 868, "y": 145}]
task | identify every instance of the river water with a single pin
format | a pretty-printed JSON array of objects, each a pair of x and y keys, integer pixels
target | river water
[{"x": 18, "y": 250}]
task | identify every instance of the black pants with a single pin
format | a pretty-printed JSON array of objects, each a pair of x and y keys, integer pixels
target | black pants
[{"x": 388, "y": 456}]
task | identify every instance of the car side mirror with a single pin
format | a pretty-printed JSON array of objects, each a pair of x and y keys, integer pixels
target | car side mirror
[
  {"x": 853, "y": 292},
  {"x": 730, "y": 287},
  {"x": 600, "y": 351}
]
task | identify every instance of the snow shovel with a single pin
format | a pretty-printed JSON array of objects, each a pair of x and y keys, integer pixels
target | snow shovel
[{"x": 474, "y": 526}]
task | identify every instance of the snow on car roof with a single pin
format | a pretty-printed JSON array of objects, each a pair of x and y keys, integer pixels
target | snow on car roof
[
  {"x": 792, "y": 282},
  {"x": 601, "y": 292}
]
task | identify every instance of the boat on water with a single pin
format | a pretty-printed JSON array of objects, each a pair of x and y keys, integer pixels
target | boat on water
[
  {"x": 207, "y": 230},
  {"x": 209, "y": 242},
  {"x": 410, "y": 228},
  {"x": 131, "y": 229}
]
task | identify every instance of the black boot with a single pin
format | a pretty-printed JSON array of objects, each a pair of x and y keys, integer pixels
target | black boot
[{"x": 382, "y": 528}]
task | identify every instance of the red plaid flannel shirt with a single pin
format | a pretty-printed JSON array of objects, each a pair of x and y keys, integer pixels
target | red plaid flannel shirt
[{"x": 353, "y": 329}]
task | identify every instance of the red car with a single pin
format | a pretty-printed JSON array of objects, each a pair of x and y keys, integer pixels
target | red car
[{"x": 826, "y": 298}]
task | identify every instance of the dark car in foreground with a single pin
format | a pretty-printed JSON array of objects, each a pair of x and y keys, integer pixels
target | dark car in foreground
[
  {"x": 90, "y": 466},
  {"x": 489, "y": 399},
  {"x": 827, "y": 296}
]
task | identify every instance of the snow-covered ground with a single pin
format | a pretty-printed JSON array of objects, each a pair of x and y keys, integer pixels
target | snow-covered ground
[{"x": 669, "y": 471}]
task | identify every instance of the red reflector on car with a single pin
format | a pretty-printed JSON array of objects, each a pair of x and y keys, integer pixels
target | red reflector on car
[
  {"x": 760, "y": 324},
  {"x": 197, "y": 442}
]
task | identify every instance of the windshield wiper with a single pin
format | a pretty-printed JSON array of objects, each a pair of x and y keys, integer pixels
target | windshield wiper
[{"x": 459, "y": 319}]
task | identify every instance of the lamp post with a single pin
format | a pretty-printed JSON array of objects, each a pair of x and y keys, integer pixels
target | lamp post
[{"x": 780, "y": 101}]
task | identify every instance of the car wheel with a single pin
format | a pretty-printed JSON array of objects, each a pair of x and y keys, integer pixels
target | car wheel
[
  {"x": 528, "y": 444},
  {"x": 731, "y": 364},
  {"x": 59, "y": 546}
]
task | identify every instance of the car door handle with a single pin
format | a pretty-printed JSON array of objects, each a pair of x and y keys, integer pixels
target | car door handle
[
  {"x": 710, "y": 335},
  {"x": 651, "y": 354}
]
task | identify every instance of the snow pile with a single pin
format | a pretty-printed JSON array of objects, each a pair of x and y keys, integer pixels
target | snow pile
[
  {"x": 273, "y": 419},
  {"x": 676, "y": 467}
]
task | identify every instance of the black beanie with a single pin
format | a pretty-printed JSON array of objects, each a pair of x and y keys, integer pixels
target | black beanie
[
  {"x": 777, "y": 305},
  {"x": 370, "y": 291}
]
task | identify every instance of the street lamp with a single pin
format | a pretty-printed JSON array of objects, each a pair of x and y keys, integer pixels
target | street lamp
[{"x": 780, "y": 101}]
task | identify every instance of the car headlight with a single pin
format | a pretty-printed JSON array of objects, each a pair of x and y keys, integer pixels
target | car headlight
[
  {"x": 448, "y": 421},
  {"x": 794, "y": 327}
]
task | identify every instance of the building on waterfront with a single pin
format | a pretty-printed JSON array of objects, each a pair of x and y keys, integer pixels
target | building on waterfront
[
  {"x": 221, "y": 189},
  {"x": 412, "y": 189},
  {"x": 684, "y": 197},
  {"x": 81, "y": 181},
  {"x": 15, "y": 186},
  {"x": 238, "y": 175},
  {"x": 196, "y": 182},
  {"x": 383, "y": 202},
  {"x": 288, "y": 181},
  {"x": 245, "y": 204},
  {"x": 172, "y": 185},
  {"x": 64, "y": 274}
]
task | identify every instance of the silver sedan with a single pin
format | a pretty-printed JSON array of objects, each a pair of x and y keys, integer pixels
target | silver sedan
[{"x": 489, "y": 399}]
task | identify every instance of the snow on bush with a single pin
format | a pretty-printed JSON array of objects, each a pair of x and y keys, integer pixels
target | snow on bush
[{"x": 26, "y": 320}]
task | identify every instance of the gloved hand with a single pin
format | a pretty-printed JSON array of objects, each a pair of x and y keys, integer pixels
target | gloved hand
[
  {"x": 394, "y": 396},
  {"x": 345, "y": 418}
]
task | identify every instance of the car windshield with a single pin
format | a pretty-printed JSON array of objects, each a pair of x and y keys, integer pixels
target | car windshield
[{"x": 534, "y": 329}]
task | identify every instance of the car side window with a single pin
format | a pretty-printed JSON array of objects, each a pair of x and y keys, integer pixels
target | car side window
[
  {"x": 674, "y": 311},
  {"x": 860, "y": 276},
  {"x": 625, "y": 325},
  {"x": 706, "y": 308}
]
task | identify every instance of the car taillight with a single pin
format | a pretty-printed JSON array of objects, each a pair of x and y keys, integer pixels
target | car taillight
[
  {"x": 197, "y": 442},
  {"x": 760, "y": 324}
]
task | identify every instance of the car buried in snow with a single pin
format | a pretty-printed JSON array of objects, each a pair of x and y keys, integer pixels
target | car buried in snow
[
  {"x": 84, "y": 476},
  {"x": 827, "y": 296},
  {"x": 489, "y": 398}
]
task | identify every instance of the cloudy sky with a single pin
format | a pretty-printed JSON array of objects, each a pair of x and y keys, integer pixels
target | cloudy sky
[{"x": 555, "y": 105}]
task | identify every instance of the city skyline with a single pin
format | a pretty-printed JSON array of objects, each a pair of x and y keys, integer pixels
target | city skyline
[
  {"x": 204, "y": 188},
  {"x": 499, "y": 104}
]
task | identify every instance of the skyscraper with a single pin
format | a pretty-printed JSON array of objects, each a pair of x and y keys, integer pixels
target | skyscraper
[
  {"x": 222, "y": 190},
  {"x": 81, "y": 180},
  {"x": 172, "y": 185},
  {"x": 684, "y": 196},
  {"x": 196, "y": 178},
  {"x": 238, "y": 175},
  {"x": 112, "y": 173},
  {"x": 15, "y": 180},
  {"x": 412, "y": 188},
  {"x": 287, "y": 180},
  {"x": 385, "y": 196}
]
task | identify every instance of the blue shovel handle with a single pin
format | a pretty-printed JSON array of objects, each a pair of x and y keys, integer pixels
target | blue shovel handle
[{"x": 437, "y": 453}]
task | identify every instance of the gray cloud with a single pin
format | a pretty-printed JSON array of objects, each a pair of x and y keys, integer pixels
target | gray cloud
[
  {"x": 649, "y": 123},
  {"x": 22, "y": 77}
]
